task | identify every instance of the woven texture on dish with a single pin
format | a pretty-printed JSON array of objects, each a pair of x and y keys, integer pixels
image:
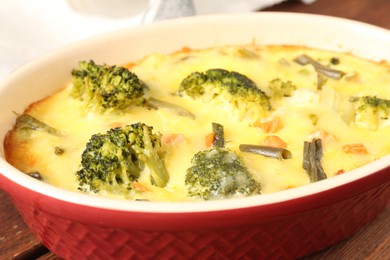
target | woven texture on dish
[{"x": 289, "y": 237}]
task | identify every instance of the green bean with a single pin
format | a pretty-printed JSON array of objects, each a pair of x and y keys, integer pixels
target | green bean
[
  {"x": 27, "y": 122},
  {"x": 274, "y": 152},
  {"x": 321, "y": 69},
  {"x": 312, "y": 154},
  {"x": 219, "y": 139},
  {"x": 156, "y": 104},
  {"x": 35, "y": 175}
]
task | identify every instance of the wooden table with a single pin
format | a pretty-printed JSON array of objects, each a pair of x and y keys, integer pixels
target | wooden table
[{"x": 372, "y": 242}]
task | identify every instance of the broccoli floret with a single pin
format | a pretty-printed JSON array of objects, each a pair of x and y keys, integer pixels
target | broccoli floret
[
  {"x": 227, "y": 88},
  {"x": 107, "y": 87},
  {"x": 115, "y": 88},
  {"x": 219, "y": 173},
  {"x": 112, "y": 161},
  {"x": 371, "y": 111},
  {"x": 280, "y": 89}
]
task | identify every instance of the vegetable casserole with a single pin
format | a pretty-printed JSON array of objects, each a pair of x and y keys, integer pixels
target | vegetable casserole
[{"x": 207, "y": 124}]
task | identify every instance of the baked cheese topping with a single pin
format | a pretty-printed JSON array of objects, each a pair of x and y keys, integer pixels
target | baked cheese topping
[{"x": 319, "y": 107}]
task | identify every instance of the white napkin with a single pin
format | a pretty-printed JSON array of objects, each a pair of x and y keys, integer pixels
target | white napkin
[{"x": 31, "y": 28}]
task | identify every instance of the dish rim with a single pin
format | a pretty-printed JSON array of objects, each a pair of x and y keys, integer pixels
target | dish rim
[{"x": 18, "y": 178}]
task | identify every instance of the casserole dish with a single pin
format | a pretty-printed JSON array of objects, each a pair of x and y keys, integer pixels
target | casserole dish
[{"x": 286, "y": 224}]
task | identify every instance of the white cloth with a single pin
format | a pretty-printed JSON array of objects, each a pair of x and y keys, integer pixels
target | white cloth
[{"x": 31, "y": 28}]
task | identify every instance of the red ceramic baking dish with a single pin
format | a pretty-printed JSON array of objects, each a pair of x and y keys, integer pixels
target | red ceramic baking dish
[{"x": 286, "y": 224}]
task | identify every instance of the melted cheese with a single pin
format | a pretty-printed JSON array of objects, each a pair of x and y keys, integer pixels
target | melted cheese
[{"x": 163, "y": 74}]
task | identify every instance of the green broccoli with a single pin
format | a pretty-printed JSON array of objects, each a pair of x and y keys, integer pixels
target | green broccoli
[
  {"x": 115, "y": 88},
  {"x": 219, "y": 173},
  {"x": 280, "y": 89},
  {"x": 112, "y": 161},
  {"x": 371, "y": 111},
  {"x": 107, "y": 87},
  {"x": 229, "y": 88}
]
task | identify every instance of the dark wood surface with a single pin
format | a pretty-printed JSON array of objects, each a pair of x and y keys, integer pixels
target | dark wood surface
[
  {"x": 371, "y": 242},
  {"x": 375, "y": 12}
]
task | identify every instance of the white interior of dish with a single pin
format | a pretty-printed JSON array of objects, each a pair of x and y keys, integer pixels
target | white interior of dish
[{"x": 52, "y": 71}]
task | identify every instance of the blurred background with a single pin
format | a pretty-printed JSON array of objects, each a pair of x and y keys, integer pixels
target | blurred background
[{"x": 31, "y": 28}]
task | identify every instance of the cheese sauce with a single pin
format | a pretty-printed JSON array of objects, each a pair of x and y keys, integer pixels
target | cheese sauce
[{"x": 307, "y": 113}]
